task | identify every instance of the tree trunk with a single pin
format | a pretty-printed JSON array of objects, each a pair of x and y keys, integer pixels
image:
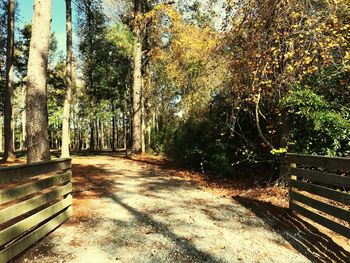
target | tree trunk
[
  {"x": 137, "y": 87},
  {"x": 23, "y": 121},
  {"x": 102, "y": 135},
  {"x": 9, "y": 149},
  {"x": 98, "y": 145},
  {"x": 1, "y": 130},
  {"x": 13, "y": 127},
  {"x": 113, "y": 127},
  {"x": 257, "y": 120},
  {"x": 143, "y": 126},
  {"x": 117, "y": 131},
  {"x": 92, "y": 141},
  {"x": 149, "y": 132},
  {"x": 21, "y": 141},
  {"x": 37, "y": 134},
  {"x": 69, "y": 76},
  {"x": 125, "y": 131}
]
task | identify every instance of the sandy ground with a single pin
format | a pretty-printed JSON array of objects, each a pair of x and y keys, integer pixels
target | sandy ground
[{"x": 128, "y": 211}]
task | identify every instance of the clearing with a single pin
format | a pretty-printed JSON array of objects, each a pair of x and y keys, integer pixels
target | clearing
[{"x": 135, "y": 211}]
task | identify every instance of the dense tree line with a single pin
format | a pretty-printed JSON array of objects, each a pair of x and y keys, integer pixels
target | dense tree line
[{"x": 217, "y": 86}]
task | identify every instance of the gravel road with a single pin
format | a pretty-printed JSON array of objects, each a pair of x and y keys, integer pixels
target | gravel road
[{"x": 128, "y": 211}]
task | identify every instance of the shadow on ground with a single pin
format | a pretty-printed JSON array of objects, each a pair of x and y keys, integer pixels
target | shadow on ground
[
  {"x": 97, "y": 179},
  {"x": 304, "y": 237}
]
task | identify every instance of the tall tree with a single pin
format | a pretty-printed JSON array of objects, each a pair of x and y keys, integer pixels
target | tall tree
[
  {"x": 137, "y": 87},
  {"x": 9, "y": 147},
  {"x": 69, "y": 66},
  {"x": 92, "y": 29},
  {"x": 36, "y": 100}
]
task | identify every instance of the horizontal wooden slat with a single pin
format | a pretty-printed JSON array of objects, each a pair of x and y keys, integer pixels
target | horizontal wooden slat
[
  {"x": 330, "y": 163},
  {"x": 338, "y": 228},
  {"x": 21, "y": 245},
  {"x": 321, "y": 191},
  {"x": 321, "y": 177},
  {"x": 326, "y": 208},
  {"x": 17, "y": 229},
  {"x": 16, "y": 210},
  {"x": 26, "y": 189},
  {"x": 17, "y": 172}
]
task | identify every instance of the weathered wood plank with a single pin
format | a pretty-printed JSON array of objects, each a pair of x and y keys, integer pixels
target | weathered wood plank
[
  {"x": 338, "y": 228},
  {"x": 330, "y": 163},
  {"x": 21, "y": 245},
  {"x": 337, "y": 196},
  {"x": 321, "y": 177},
  {"x": 21, "y": 208},
  {"x": 19, "y": 228},
  {"x": 14, "y": 173},
  {"x": 321, "y": 206},
  {"x": 7, "y": 195}
]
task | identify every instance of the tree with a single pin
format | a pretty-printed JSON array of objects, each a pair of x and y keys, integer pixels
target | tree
[
  {"x": 137, "y": 86},
  {"x": 92, "y": 30},
  {"x": 9, "y": 147},
  {"x": 36, "y": 100},
  {"x": 69, "y": 67},
  {"x": 276, "y": 43}
]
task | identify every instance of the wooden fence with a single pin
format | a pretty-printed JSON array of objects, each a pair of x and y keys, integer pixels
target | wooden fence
[
  {"x": 319, "y": 190},
  {"x": 34, "y": 200}
]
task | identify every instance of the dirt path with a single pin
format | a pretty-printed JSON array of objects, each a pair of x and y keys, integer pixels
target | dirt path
[{"x": 126, "y": 211}]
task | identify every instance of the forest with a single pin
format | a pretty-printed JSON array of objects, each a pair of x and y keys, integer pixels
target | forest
[
  {"x": 220, "y": 86},
  {"x": 179, "y": 131}
]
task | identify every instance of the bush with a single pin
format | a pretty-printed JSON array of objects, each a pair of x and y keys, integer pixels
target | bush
[{"x": 318, "y": 126}]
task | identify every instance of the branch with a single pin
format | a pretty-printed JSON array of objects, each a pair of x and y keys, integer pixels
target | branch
[{"x": 257, "y": 120}]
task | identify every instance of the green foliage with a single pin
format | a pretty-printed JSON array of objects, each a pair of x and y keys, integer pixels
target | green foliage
[
  {"x": 122, "y": 37},
  {"x": 55, "y": 94},
  {"x": 206, "y": 143},
  {"x": 318, "y": 126}
]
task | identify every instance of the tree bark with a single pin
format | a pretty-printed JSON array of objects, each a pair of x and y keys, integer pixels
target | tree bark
[
  {"x": 143, "y": 126},
  {"x": 23, "y": 134},
  {"x": 1, "y": 138},
  {"x": 92, "y": 139},
  {"x": 113, "y": 127},
  {"x": 36, "y": 100},
  {"x": 137, "y": 87},
  {"x": 97, "y": 135},
  {"x": 23, "y": 121},
  {"x": 8, "y": 129},
  {"x": 102, "y": 135},
  {"x": 69, "y": 81},
  {"x": 257, "y": 120},
  {"x": 149, "y": 133},
  {"x": 125, "y": 131}
]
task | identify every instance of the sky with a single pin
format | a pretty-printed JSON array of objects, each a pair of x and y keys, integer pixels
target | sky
[{"x": 58, "y": 25}]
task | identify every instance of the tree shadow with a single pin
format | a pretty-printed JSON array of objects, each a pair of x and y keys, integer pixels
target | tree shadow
[
  {"x": 304, "y": 237},
  {"x": 145, "y": 219},
  {"x": 92, "y": 180}
]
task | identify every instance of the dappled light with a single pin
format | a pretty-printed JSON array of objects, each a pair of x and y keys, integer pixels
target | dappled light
[
  {"x": 174, "y": 131},
  {"x": 136, "y": 207}
]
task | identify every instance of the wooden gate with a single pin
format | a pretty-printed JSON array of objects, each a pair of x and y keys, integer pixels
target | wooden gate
[
  {"x": 34, "y": 200},
  {"x": 319, "y": 190}
]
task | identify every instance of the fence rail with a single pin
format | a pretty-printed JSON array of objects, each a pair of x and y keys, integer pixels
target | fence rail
[
  {"x": 34, "y": 200},
  {"x": 315, "y": 183}
]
